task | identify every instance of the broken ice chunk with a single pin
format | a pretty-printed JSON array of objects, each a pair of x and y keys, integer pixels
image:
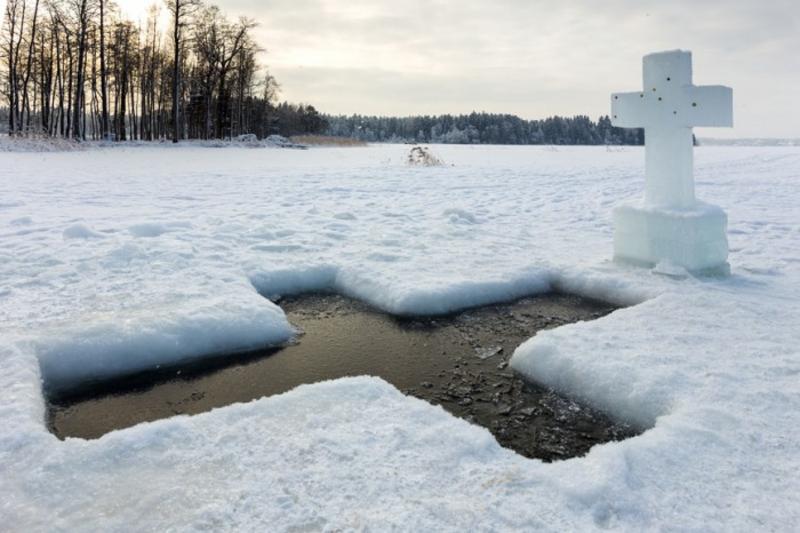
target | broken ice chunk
[{"x": 486, "y": 353}]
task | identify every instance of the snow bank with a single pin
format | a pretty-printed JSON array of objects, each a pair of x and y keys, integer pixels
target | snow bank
[
  {"x": 551, "y": 359},
  {"x": 402, "y": 298},
  {"x": 288, "y": 282},
  {"x": 81, "y": 231},
  {"x": 39, "y": 144},
  {"x": 409, "y": 298},
  {"x": 50, "y": 144},
  {"x": 148, "y": 229},
  {"x": 146, "y": 339}
]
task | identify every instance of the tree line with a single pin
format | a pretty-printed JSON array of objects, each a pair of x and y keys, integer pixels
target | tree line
[
  {"x": 79, "y": 69},
  {"x": 483, "y": 128}
]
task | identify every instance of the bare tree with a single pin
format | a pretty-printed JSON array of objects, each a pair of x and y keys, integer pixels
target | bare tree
[
  {"x": 181, "y": 11},
  {"x": 103, "y": 73},
  {"x": 82, "y": 12},
  {"x": 25, "y": 108},
  {"x": 14, "y": 25},
  {"x": 79, "y": 69}
]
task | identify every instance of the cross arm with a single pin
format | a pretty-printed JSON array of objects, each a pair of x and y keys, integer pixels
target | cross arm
[
  {"x": 709, "y": 105},
  {"x": 628, "y": 110}
]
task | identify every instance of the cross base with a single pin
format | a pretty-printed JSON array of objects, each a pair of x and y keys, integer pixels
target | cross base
[{"x": 693, "y": 238}]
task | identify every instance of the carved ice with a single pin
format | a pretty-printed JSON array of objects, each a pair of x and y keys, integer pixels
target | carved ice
[{"x": 671, "y": 225}]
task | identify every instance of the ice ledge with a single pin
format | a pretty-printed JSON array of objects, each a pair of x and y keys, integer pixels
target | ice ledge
[
  {"x": 693, "y": 238},
  {"x": 99, "y": 347}
]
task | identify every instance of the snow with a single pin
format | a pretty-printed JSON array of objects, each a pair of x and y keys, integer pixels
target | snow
[
  {"x": 80, "y": 231},
  {"x": 711, "y": 141},
  {"x": 146, "y": 338},
  {"x": 193, "y": 241}
]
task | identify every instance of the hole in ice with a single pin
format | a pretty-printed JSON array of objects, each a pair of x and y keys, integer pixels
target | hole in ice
[
  {"x": 458, "y": 361},
  {"x": 694, "y": 104}
]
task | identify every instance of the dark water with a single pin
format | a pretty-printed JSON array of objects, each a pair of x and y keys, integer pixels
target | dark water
[{"x": 459, "y": 362}]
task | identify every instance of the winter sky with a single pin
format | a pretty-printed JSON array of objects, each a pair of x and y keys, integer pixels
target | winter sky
[{"x": 533, "y": 58}]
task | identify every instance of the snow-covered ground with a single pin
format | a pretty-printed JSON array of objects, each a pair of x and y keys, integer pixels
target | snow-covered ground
[{"x": 114, "y": 259}]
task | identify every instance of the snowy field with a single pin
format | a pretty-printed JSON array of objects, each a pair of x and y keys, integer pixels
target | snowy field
[{"x": 116, "y": 259}]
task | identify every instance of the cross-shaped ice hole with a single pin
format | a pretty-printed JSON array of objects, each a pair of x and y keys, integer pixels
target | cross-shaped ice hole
[
  {"x": 457, "y": 361},
  {"x": 668, "y": 108}
]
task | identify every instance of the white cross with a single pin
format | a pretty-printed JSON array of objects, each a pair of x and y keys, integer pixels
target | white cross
[{"x": 668, "y": 108}]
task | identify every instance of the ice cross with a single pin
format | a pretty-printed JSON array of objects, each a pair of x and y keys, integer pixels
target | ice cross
[
  {"x": 671, "y": 228},
  {"x": 668, "y": 107}
]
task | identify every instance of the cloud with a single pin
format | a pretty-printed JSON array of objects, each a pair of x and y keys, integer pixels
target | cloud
[{"x": 529, "y": 57}]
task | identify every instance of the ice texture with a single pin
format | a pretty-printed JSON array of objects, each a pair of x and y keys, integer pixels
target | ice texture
[
  {"x": 693, "y": 238},
  {"x": 710, "y": 366}
]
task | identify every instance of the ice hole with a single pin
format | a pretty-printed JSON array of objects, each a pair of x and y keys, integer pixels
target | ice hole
[{"x": 458, "y": 361}]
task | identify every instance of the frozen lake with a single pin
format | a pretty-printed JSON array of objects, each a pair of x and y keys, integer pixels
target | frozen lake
[{"x": 116, "y": 260}]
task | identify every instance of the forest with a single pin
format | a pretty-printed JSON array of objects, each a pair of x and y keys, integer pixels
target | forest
[
  {"x": 483, "y": 128},
  {"x": 79, "y": 69}
]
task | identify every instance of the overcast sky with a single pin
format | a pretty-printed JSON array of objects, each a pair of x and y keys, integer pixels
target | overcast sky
[{"x": 527, "y": 57}]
